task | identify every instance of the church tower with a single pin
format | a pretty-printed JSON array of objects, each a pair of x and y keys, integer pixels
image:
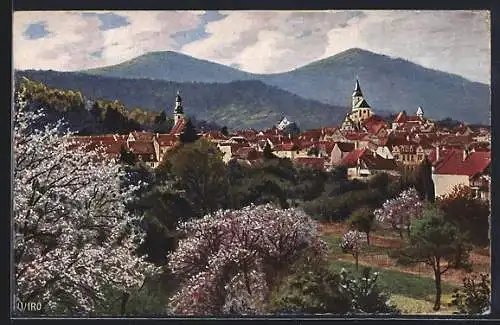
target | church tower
[
  {"x": 357, "y": 95},
  {"x": 178, "y": 110}
]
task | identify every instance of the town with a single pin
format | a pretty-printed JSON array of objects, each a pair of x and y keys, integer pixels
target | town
[{"x": 365, "y": 144}]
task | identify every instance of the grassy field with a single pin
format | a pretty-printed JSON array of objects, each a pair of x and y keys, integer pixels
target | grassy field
[{"x": 412, "y": 289}]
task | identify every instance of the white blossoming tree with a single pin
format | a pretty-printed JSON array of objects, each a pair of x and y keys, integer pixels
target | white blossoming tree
[
  {"x": 399, "y": 211},
  {"x": 73, "y": 237},
  {"x": 230, "y": 260},
  {"x": 353, "y": 242}
]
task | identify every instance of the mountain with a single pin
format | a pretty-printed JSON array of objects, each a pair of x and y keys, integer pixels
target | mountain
[
  {"x": 237, "y": 104},
  {"x": 171, "y": 66},
  {"x": 389, "y": 84}
]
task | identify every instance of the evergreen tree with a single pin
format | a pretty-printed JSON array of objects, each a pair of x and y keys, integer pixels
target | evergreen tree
[
  {"x": 189, "y": 134},
  {"x": 424, "y": 182},
  {"x": 224, "y": 131},
  {"x": 161, "y": 118},
  {"x": 268, "y": 152},
  {"x": 127, "y": 157}
]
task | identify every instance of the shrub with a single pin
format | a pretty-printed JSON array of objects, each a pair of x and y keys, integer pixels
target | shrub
[{"x": 474, "y": 296}]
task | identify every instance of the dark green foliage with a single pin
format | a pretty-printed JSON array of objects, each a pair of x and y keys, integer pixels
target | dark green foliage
[
  {"x": 229, "y": 103},
  {"x": 127, "y": 157},
  {"x": 161, "y": 118},
  {"x": 200, "y": 172},
  {"x": 364, "y": 293},
  {"x": 189, "y": 134},
  {"x": 163, "y": 207},
  {"x": 268, "y": 152},
  {"x": 424, "y": 183},
  {"x": 474, "y": 296},
  {"x": 433, "y": 241},
  {"x": 469, "y": 214},
  {"x": 224, "y": 131},
  {"x": 448, "y": 123},
  {"x": 314, "y": 151},
  {"x": 363, "y": 220},
  {"x": 311, "y": 287}
]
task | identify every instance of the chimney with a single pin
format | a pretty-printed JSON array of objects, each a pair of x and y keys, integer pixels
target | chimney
[
  {"x": 289, "y": 135},
  {"x": 355, "y": 145},
  {"x": 466, "y": 153},
  {"x": 374, "y": 154},
  {"x": 437, "y": 153}
]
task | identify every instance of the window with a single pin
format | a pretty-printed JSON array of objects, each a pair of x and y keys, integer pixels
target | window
[
  {"x": 151, "y": 156},
  {"x": 419, "y": 157},
  {"x": 396, "y": 157}
]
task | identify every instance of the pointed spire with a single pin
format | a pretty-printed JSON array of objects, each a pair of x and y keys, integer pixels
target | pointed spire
[
  {"x": 357, "y": 90},
  {"x": 420, "y": 112}
]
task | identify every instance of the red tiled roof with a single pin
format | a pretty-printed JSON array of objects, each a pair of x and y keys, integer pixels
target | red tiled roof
[
  {"x": 248, "y": 153},
  {"x": 400, "y": 118},
  {"x": 326, "y": 146},
  {"x": 351, "y": 159},
  {"x": 142, "y": 147},
  {"x": 284, "y": 147},
  {"x": 376, "y": 162},
  {"x": 374, "y": 124},
  {"x": 166, "y": 140},
  {"x": 454, "y": 164},
  {"x": 215, "y": 135},
  {"x": 179, "y": 126},
  {"x": 345, "y": 146}
]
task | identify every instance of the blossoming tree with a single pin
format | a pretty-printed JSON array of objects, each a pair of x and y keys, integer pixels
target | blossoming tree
[
  {"x": 73, "y": 237},
  {"x": 230, "y": 260},
  {"x": 353, "y": 242},
  {"x": 399, "y": 211}
]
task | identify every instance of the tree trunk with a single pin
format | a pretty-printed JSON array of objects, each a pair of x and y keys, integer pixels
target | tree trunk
[
  {"x": 356, "y": 257},
  {"x": 368, "y": 237},
  {"x": 123, "y": 306},
  {"x": 437, "y": 278}
]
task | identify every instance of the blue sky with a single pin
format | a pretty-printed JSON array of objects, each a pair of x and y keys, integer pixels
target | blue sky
[{"x": 261, "y": 42}]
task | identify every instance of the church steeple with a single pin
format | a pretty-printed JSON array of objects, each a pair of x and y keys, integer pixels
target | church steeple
[
  {"x": 178, "y": 110},
  {"x": 420, "y": 112},
  {"x": 357, "y": 95}
]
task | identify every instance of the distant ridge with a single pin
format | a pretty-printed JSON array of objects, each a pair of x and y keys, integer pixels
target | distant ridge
[
  {"x": 237, "y": 104},
  {"x": 389, "y": 84}
]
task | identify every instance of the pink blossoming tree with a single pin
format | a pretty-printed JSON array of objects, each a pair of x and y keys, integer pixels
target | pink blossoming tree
[
  {"x": 353, "y": 242},
  {"x": 399, "y": 211},
  {"x": 230, "y": 260}
]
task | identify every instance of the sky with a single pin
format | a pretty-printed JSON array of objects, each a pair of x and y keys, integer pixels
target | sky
[{"x": 457, "y": 42}]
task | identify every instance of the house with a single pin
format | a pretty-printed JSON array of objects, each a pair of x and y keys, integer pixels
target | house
[
  {"x": 286, "y": 150},
  {"x": 340, "y": 150},
  {"x": 461, "y": 166},
  {"x": 363, "y": 163},
  {"x": 146, "y": 152}
]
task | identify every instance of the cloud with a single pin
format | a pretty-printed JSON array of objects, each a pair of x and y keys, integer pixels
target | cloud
[
  {"x": 278, "y": 39},
  {"x": 108, "y": 20},
  {"x": 452, "y": 41},
  {"x": 76, "y": 37},
  {"x": 256, "y": 41}
]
